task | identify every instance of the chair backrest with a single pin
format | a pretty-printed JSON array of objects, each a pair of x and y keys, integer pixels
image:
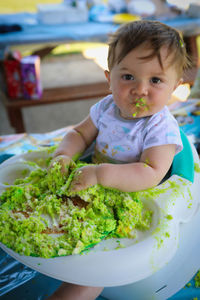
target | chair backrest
[{"x": 183, "y": 163}]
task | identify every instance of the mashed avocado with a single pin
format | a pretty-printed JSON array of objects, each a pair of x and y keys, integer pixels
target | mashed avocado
[
  {"x": 40, "y": 217},
  {"x": 197, "y": 279},
  {"x": 196, "y": 167}
]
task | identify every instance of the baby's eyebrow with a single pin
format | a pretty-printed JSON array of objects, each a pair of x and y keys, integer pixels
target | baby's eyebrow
[
  {"x": 123, "y": 68},
  {"x": 157, "y": 75}
]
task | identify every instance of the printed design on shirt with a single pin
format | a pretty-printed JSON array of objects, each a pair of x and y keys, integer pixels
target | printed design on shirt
[
  {"x": 99, "y": 157},
  {"x": 118, "y": 133},
  {"x": 152, "y": 140},
  {"x": 158, "y": 119},
  {"x": 104, "y": 147},
  {"x": 122, "y": 148},
  {"x": 171, "y": 134},
  {"x": 126, "y": 130},
  {"x": 114, "y": 152}
]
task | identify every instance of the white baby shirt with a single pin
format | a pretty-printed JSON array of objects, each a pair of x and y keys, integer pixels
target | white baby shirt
[{"x": 120, "y": 140}]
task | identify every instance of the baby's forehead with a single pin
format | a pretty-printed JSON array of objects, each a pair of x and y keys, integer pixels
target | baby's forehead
[{"x": 146, "y": 51}]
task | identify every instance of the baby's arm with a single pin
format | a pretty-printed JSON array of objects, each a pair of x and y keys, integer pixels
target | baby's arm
[
  {"x": 148, "y": 172},
  {"x": 76, "y": 141}
]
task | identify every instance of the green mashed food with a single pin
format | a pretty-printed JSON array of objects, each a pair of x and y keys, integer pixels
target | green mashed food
[
  {"x": 40, "y": 217},
  {"x": 197, "y": 280}
]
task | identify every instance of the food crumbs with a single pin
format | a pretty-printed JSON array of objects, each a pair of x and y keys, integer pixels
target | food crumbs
[
  {"x": 197, "y": 280},
  {"x": 196, "y": 167}
]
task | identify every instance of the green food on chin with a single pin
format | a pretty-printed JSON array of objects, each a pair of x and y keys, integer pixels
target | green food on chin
[
  {"x": 140, "y": 103},
  {"x": 42, "y": 218}
]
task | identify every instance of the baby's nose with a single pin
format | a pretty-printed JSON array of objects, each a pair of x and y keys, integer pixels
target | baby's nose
[{"x": 141, "y": 88}]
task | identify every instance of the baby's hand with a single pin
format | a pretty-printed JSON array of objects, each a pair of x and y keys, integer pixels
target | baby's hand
[
  {"x": 84, "y": 177},
  {"x": 65, "y": 161}
]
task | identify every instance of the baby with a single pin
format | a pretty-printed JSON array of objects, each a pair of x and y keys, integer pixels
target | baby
[{"x": 136, "y": 137}]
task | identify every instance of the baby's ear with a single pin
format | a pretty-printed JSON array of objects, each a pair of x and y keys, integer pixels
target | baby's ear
[
  {"x": 180, "y": 81},
  {"x": 107, "y": 74}
]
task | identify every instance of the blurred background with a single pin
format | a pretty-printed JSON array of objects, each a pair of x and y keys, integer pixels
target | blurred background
[{"x": 79, "y": 62}]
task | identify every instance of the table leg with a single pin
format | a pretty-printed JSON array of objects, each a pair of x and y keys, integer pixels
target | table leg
[
  {"x": 44, "y": 51},
  {"x": 16, "y": 119},
  {"x": 192, "y": 49}
]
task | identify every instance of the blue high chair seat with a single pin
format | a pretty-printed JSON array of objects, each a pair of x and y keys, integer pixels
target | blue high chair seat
[{"x": 183, "y": 163}]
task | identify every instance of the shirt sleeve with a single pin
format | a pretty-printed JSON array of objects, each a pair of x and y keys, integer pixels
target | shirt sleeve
[
  {"x": 98, "y": 109},
  {"x": 162, "y": 129}
]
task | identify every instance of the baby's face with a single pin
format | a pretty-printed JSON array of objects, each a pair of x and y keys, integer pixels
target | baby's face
[{"x": 140, "y": 87}]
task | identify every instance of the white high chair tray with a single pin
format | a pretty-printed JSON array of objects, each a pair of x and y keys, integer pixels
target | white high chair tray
[{"x": 141, "y": 257}]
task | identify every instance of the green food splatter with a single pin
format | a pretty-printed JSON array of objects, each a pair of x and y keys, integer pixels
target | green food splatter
[
  {"x": 197, "y": 280},
  {"x": 140, "y": 103},
  {"x": 188, "y": 284},
  {"x": 196, "y": 167},
  {"x": 181, "y": 43},
  {"x": 42, "y": 218}
]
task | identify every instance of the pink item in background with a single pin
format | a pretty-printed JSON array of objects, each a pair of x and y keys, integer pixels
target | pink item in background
[{"x": 30, "y": 74}]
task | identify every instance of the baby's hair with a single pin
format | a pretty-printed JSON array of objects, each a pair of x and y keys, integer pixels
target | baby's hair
[{"x": 153, "y": 33}]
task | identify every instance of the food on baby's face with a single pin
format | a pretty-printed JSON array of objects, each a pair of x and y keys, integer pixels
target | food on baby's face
[
  {"x": 141, "y": 105},
  {"x": 43, "y": 218}
]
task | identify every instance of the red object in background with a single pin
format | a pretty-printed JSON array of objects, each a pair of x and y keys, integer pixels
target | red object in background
[{"x": 12, "y": 71}]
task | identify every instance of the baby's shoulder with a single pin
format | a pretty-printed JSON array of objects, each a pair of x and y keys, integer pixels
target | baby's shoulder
[
  {"x": 103, "y": 106},
  {"x": 105, "y": 103},
  {"x": 102, "y": 109},
  {"x": 163, "y": 115},
  {"x": 163, "y": 120}
]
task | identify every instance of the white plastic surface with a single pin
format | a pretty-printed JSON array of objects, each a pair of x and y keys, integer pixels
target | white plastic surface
[
  {"x": 170, "y": 279},
  {"x": 10, "y": 172},
  {"x": 141, "y": 257}
]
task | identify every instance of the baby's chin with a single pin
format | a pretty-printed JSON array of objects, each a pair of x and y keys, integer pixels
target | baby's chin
[
  {"x": 145, "y": 112},
  {"x": 136, "y": 115},
  {"x": 141, "y": 114}
]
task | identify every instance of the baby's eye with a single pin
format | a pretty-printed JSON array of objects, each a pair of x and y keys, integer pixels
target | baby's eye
[
  {"x": 127, "y": 77},
  {"x": 155, "y": 80}
]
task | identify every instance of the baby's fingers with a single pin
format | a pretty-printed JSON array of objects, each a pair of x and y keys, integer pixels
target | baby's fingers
[
  {"x": 76, "y": 186},
  {"x": 65, "y": 162},
  {"x": 77, "y": 182}
]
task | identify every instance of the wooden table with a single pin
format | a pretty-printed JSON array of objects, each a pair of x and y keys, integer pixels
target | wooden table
[{"x": 50, "y": 96}]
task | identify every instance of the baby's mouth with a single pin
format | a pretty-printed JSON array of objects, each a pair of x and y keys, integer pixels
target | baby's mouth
[
  {"x": 140, "y": 102},
  {"x": 140, "y": 105}
]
